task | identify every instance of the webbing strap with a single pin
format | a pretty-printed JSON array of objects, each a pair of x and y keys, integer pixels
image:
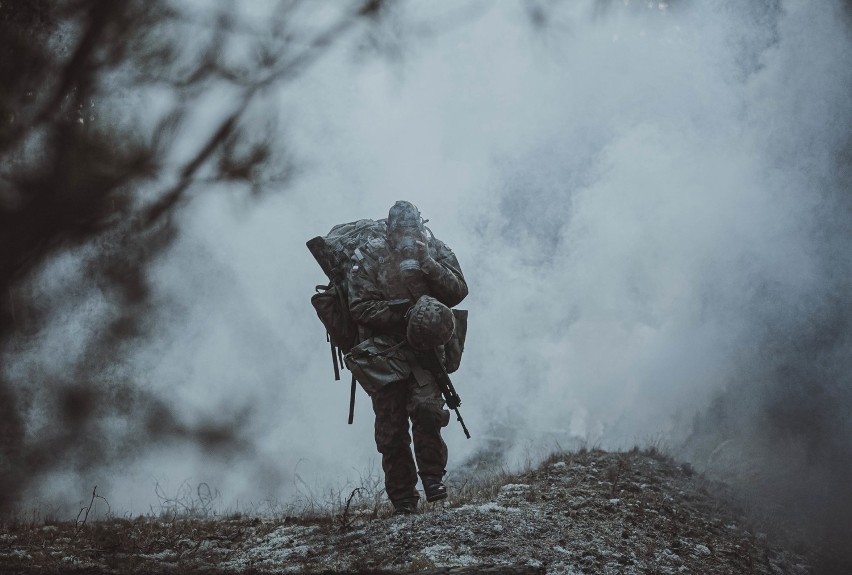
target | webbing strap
[
  {"x": 352, "y": 400},
  {"x": 334, "y": 360}
]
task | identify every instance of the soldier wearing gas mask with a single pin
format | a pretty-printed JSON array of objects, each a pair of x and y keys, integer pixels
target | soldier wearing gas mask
[{"x": 400, "y": 290}]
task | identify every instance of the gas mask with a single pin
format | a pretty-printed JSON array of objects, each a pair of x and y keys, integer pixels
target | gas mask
[
  {"x": 405, "y": 230},
  {"x": 407, "y": 246}
]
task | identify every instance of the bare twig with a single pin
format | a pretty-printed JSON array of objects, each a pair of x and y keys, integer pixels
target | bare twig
[
  {"x": 616, "y": 472},
  {"x": 344, "y": 519},
  {"x": 77, "y": 525},
  {"x": 287, "y": 70}
]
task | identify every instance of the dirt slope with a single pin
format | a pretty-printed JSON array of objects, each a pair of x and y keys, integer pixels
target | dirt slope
[{"x": 590, "y": 512}]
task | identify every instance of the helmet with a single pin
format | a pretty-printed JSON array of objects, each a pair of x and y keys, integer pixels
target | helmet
[
  {"x": 430, "y": 324},
  {"x": 404, "y": 215}
]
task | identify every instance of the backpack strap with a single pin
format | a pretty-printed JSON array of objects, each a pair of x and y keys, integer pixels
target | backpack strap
[{"x": 375, "y": 250}]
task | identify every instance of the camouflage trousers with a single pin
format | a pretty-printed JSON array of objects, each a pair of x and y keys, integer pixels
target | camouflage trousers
[{"x": 417, "y": 398}]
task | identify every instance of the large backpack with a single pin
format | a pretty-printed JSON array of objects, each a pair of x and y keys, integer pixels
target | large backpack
[{"x": 333, "y": 253}]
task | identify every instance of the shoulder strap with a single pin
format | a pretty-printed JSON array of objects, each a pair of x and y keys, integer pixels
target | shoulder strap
[{"x": 375, "y": 250}]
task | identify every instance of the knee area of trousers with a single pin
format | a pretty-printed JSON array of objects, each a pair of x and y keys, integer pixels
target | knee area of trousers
[
  {"x": 389, "y": 442},
  {"x": 431, "y": 415}
]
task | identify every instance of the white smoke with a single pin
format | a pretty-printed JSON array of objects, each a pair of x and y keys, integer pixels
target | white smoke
[{"x": 620, "y": 185}]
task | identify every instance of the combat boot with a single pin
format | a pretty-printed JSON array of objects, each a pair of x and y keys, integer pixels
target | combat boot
[
  {"x": 434, "y": 489},
  {"x": 407, "y": 506}
]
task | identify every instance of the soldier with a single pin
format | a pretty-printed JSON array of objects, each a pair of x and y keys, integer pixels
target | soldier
[{"x": 400, "y": 288}]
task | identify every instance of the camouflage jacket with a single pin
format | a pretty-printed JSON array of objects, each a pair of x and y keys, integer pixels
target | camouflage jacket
[{"x": 375, "y": 279}]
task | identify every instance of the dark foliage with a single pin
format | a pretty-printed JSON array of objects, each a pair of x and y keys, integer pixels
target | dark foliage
[{"x": 77, "y": 176}]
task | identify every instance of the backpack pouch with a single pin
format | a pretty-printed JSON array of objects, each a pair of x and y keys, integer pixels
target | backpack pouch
[
  {"x": 378, "y": 361},
  {"x": 454, "y": 348},
  {"x": 334, "y": 315}
]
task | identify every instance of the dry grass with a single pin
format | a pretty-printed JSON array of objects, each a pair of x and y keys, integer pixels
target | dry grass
[
  {"x": 185, "y": 521},
  {"x": 188, "y": 532}
]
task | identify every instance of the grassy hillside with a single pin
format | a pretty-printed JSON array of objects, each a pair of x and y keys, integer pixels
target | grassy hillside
[{"x": 584, "y": 512}]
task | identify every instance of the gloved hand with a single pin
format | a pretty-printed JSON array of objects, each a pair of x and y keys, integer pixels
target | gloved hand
[{"x": 423, "y": 254}]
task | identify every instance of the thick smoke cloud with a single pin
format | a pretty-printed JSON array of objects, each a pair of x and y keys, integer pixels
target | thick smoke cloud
[{"x": 650, "y": 203}]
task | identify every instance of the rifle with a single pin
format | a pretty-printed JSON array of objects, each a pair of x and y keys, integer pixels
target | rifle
[{"x": 430, "y": 361}]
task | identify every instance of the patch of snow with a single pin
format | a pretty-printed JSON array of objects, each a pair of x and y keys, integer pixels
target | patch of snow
[
  {"x": 615, "y": 501},
  {"x": 298, "y": 529},
  {"x": 514, "y": 487},
  {"x": 561, "y": 568},
  {"x": 298, "y": 551},
  {"x": 667, "y": 556},
  {"x": 280, "y": 548},
  {"x": 558, "y": 465},
  {"x": 491, "y": 506},
  {"x": 277, "y": 537},
  {"x": 465, "y": 560},
  {"x": 167, "y": 555},
  {"x": 434, "y": 552},
  {"x": 443, "y": 554}
]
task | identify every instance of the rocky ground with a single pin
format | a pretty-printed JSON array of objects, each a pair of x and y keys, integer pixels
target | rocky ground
[{"x": 588, "y": 512}]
